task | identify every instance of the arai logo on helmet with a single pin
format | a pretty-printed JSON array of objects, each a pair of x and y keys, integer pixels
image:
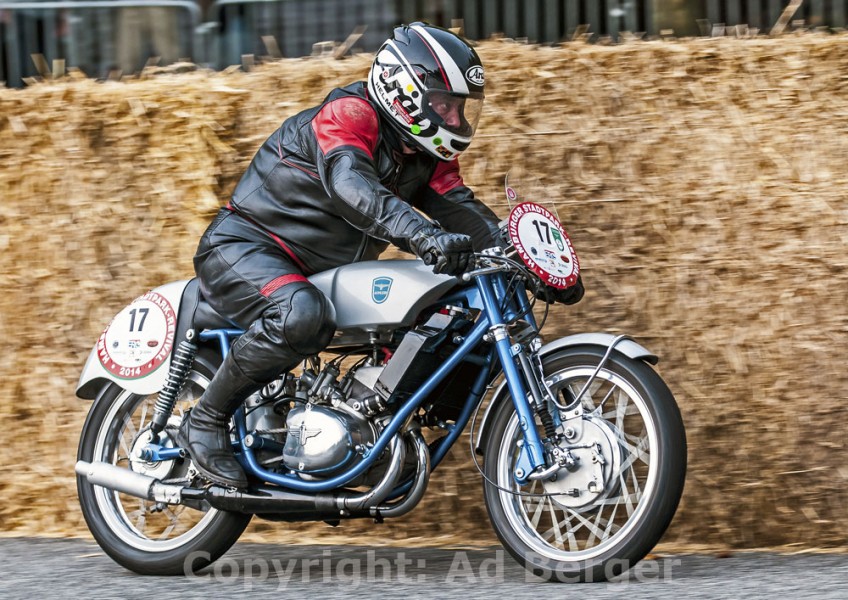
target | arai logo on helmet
[
  {"x": 475, "y": 75},
  {"x": 380, "y": 289}
]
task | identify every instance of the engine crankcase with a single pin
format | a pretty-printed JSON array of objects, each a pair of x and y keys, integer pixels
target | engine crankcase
[{"x": 322, "y": 441}]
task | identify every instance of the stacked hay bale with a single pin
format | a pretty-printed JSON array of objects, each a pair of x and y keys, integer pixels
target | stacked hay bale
[{"x": 702, "y": 182}]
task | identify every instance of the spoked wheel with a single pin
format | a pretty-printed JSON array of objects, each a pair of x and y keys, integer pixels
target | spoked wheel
[
  {"x": 145, "y": 536},
  {"x": 604, "y": 512}
]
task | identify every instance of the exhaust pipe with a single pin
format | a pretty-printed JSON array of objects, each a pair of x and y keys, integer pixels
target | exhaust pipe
[
  {"x": 287, "y": 505},
  {"x": 128, "y": 482},
  {"x": 281, "y": 504},
  {"x": 356, "y": 503},
  {"x": 419, "y": 483},
  {"x": 299, "y": 507}
]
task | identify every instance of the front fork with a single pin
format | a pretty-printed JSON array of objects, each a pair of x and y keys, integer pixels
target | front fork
[{"x": 532, "y": 462}]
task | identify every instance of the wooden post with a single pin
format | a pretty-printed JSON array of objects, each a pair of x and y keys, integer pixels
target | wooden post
[{"x": 58, "y": 68}]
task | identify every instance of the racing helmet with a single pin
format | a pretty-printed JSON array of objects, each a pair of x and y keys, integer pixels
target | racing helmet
[{"x": 428, "y": 83}]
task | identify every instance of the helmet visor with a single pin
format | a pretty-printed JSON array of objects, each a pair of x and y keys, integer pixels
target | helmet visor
[{"x": 458, "y": 114}]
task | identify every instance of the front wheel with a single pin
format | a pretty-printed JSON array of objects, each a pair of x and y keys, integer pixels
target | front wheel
[
  {"x": 603, "y": 513},
  {"x": 147, "y": 537}
]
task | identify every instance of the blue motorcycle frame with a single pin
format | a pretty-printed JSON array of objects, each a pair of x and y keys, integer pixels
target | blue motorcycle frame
[{"x": 487, "y": 297}]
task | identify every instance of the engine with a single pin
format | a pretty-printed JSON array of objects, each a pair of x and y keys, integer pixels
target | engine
[
  {"x": 319, "y": 425},
  {"x": 314, "y": 424}
]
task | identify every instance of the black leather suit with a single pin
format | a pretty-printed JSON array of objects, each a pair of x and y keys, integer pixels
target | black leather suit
[{"x": 330, "y": 187}]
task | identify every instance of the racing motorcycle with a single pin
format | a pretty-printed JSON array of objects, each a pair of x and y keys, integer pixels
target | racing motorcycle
[{"x": 581, "y": 447}]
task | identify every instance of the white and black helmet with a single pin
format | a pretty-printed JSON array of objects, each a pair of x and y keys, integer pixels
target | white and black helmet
[{"x": 429, "y": 83}]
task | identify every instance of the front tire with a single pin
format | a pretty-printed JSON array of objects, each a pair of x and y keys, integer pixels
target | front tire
[
  {"x": 598, "y": 519},
  {"x": 142, "y": 535}
]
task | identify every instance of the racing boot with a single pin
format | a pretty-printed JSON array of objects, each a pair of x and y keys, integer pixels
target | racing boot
[{"x": 204, "y": 433}]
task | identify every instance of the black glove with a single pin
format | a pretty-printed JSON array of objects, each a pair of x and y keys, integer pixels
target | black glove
[
  {"x": 449, "y": 253},
  {"x": 570, "y": 295}
]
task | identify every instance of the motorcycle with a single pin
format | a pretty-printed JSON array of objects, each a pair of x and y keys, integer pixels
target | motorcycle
[{"x": 582, "y": 445}]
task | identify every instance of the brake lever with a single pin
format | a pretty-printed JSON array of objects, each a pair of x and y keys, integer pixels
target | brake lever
[{"x": 484, "y": 271}]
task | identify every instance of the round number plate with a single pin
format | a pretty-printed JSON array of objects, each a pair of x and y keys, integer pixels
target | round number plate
[
  {"x": 543, "y": 244},
  {"x": 139, "y": 338}
]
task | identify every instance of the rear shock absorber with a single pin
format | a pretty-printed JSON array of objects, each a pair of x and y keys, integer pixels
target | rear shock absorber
[{"x": 181, "y": 362}]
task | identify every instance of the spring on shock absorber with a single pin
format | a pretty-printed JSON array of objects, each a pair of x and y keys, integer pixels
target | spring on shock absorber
[
  {"x": 547, "y": 422},
  {"x": 181, "y": 362},
  {"x": 539, "y": 399}
]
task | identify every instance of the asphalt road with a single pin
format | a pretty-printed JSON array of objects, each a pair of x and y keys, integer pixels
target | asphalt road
[{"x": 45, "y": 568}]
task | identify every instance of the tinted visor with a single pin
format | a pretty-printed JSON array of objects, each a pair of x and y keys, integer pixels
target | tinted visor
[{"x": 457, "y": 114}]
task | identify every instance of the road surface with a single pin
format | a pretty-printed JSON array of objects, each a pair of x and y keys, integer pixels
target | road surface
[{"x": 49, "y": 568}]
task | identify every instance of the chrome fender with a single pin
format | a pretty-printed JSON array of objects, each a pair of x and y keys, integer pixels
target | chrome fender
[
  {"x": 627, "y": 347},
  {"x": 134, "y": 351}
]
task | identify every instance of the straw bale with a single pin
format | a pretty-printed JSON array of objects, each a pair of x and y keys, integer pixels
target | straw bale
[{"x": 702, "y": 182}]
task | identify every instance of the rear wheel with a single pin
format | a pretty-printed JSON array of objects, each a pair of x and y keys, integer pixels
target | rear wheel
[
  {"x": 604, "y": 513},
  {"x": 145, "y": 536}
]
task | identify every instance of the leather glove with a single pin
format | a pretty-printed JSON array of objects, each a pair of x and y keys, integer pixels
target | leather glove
[
  {"x": 448, "y": 253},
  {"x": 570, "y": 295}
]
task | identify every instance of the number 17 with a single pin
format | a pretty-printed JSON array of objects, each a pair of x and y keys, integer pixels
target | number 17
[
  {"x": 539, "y": 231},
  {"x": 143, "y": 312}
]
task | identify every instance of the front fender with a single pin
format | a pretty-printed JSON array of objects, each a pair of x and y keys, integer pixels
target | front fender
[
  {"x": 627, "y": 347},
  {"x": 135, "y": 349}
]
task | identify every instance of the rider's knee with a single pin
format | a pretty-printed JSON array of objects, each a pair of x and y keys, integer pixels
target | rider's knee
[{"x": 310, "y": 323}]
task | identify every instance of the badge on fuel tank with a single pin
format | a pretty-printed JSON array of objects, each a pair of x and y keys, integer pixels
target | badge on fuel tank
[{"x": 380, "y": 288}]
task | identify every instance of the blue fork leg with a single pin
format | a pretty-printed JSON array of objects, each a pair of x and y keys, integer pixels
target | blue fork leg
[{"x": 526, "y": 421}]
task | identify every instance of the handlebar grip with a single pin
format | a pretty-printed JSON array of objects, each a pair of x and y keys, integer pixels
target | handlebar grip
[{"x": 430, "y": 258}]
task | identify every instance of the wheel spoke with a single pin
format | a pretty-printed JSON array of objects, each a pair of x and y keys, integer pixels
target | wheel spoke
[
  {"x": 570, "y": 530},
  {"x": 141, "y": 517},
  {"x": 537, "y": 514},
  {"x": 527, "y": 505},
  {"x": 166, "y": 533},
  {"x": 142, "y": 418},
  {"x": 625, "y": 495},
  {"x": 636, "y": 439},
  {"x": 634, "y": 453},
  {"x": 130, "y": 427},
  {"x": 600, "y": 407},
  {"x": 616, "y": 500},
  {"x": 555, "y": 530},
  {"x": 615, "y": 413},
  {"x": 556, "y": 524},
  {"x": 637, "y": 489},
  {"x": 611, "y": 523},
  {"x": 125, "y": 447},
  {"x": 592, "y": 532},
  {"x": 587, "y": 400},
  {"x": 622, "y": 401},
  {"x": 173, "y": 521},
  {"x": 589, "y": 525}
]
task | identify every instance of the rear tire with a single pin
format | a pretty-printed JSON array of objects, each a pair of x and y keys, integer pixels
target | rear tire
[
  {"x": 138, "y": 534},
  {"x": 595, "y": 521}
]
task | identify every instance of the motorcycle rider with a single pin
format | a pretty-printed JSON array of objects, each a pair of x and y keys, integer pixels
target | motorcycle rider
[{"x": 335, "y": 184}]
